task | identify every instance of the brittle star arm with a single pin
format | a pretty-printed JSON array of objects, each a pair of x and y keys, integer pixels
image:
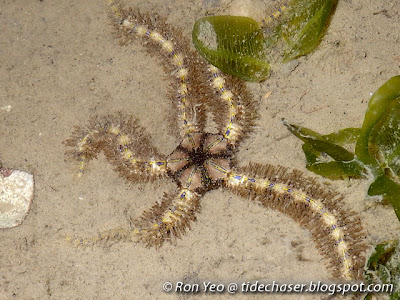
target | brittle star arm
[
  {"x": 164, "y": 221},
  {"x": 232, "y": 106},
  {"x": 188, "y": 69},
  {"x": 275, "y": 14},
  {"x": 124, "y": 144},
  {"x": 169, "y": 219},
  {"x": 307, "y": 203}
]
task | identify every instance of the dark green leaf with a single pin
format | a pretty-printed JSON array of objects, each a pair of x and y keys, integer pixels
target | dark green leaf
[
  {"x": 386, "y": 187},
  {"x": 381, "y": 255},
  {"x": 383, "y": 267},
  {"x": 384, "y": 141},
  {"x": 302, "y": 133},
  {"x": 317, "y": 148},
  {"x": 377, "y": 106},
  {"x": 337, "y": 169},
  {"x": 320, "y": 143},
  {"x": 303, "y": 28},
  {"x": 344, "y": 136},
  {"x": 233, "y": 44}
]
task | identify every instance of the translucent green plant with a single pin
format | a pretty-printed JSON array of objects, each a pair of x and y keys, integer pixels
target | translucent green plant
[
  {"x": 233, "y": 44},
  {"x": 383, "y": 268},
  {"x": 238, "y": 46},
  {"x": 303, "y": 27},
  {"x": 377, "y": 149}
]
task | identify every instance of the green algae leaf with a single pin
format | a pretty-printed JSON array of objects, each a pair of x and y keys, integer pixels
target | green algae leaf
[
  {"x": 237, "y": 46},
  {"x": 384, "y": 141},
  {"x": 304, "y": 26},
  {"x": 337, "y": 170},
  {"x": 233, "y": 44},
  {"x": 377, "y": 149},
  {"x": 319, "y": 143},
  {"x": 326, "y": 158},
  {"x": 377, "y": 107},
  {"x": 379, "y": 142},
  {"x": 344, "y": 136},
  {"x": 383, "y": 267},
  {"x": 389, "y": 189}
]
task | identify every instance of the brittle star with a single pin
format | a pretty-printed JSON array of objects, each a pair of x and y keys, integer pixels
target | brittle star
[{"x": 204, "y": 161}]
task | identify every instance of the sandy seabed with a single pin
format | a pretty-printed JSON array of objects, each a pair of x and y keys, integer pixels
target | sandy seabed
[{"x": 60, "y": 65}]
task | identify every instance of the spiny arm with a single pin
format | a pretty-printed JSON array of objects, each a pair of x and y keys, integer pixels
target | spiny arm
[
  {"x": 232, "y": 107},
  {"x": 177, "y": 58},
  {"x": 124, "y": 144},
  {"x": 337, "y": 233},
  {"x": 169, "y": 219},
  {"x": 164, "y": 221}
]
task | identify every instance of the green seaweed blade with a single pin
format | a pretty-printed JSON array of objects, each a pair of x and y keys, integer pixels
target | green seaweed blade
[
  {"x": 304, "y": 26},
  {"x": 319, "y": 149},
  {"x": 383, "y": 267},
  {"x": 233, "y": 44},
  {"x": 384, "y": 141},
  {"x": 377, "y": 107},
  {"x": 390, "y": 190}
]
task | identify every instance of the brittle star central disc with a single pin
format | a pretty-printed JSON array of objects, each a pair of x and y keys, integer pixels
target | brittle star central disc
[{"x": 201, "y": 161}]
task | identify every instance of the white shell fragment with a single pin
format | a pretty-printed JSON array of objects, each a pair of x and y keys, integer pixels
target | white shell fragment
[
  {"x": 16, "y": 194},
  {"x": 6, "y": 108}
]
